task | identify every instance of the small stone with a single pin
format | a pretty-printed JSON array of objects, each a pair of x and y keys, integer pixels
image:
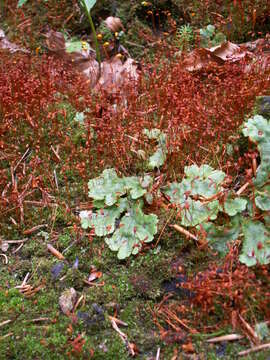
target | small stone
[{"x": 67, "y": 300}]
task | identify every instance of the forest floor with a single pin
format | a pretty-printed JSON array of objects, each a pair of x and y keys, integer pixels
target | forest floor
[{"x": 47, "y": 158}]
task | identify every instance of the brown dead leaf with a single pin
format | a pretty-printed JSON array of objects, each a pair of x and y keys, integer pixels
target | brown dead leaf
[
  {"x": 83, "y": 61},
  {"x": 114, "y": 24},
  {"x": 115, "y": 74},
  {"x": 199, "y": 58},
  {"x": 189, "y": 348},
  {"x": 228, "y": 51},
  {"x": 94, "y": 275},
  {"x": 6, "y": 44}
]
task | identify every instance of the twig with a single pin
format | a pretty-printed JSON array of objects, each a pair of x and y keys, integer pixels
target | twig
[
  {"x": 39, "y": 319},
  {"x": 184, "y": 232},
  {"x": 254, "y": 166},
  {"x": 55, "y": 252},
  {"x": 135, "y": 44},
  {"x": 25, "y": 279},
  {"x": 56, "y": 153},
  {"x": 18, "y": 248},
  {"x": 158, "y": 354},
  {"x": 33, "y": 229},
  {"x": 118, "y": 321},
  {"x": 93, "y": 283},
  {"x": 124, "y": 338},
  {"x": 78, "y": 303},
  {"x": 69, "y": 246},
  {"x": 24, "y": 157},
  {"x": 230, "y": 337},
  {"x": 55, "y": 179},
  {"x": 16, "y": 241},
  {"x": 5, "y": 257},
  {"x": 254, "y": 349},
  {"x": 164, "y": 227},
  {"x": 242, "y": 188},
  {"x": 249, "y": 329},
  {"x": 5, "y": 322},
  {"x": 5, "y": 336}
]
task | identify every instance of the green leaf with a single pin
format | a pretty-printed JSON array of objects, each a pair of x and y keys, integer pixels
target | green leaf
[
  {"x": 258, "y": 130},
  {"x": 219, "y": 237},
  {"x": 134, "y": 186},
  {"x": 204, "y": 172},
  {"x": 152, "y": 134},
  {"x": 89, "y": 4},
  {"x": 175, "y": 192},
  {"x": 262, "y": 330},
  {"x": 76, "y": 46},
  {"x": 200, "y": 181},
  {"x": 234, "y": 206},
  {"x": 134, "y": 229},
  {"x": 79, "y": 117},
  {"x": 146, "y": 181},
  {"x": 194, "y": 212},
  {"x": 108, "y": 187},
  {"x": 157, "y": 159},
  {"x": 21, "y": 3},
  {"x": 256, "y": 245},
  {"x": 103, "y": 221},
  {"x": 262, "y": 199},
  {"x": 149, "y": 198}
]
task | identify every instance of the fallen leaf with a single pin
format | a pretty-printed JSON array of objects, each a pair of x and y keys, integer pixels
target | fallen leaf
[
  {"x": 114, "y": 24},
  {"x": 189, "y": 348},
  {"x": 6, "y": 44},
  {"x": 228, "y": 51},
  {"x": 199, "y": 58},
  {"x": 94, "y": 275}
]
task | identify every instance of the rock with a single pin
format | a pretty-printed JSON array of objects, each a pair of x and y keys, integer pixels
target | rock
[
  {"x": 67, "y": 300},
  {"x": 262, "y": 106}
]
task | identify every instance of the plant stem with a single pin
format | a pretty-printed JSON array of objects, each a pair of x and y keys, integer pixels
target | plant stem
[{"x": 95, "y": 37}]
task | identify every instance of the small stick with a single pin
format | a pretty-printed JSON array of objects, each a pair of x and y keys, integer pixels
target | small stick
[
  {"x": 56, "y": 153},
  {"x": 254, "y": 166},
  {"x": 184, "y": 231},
  {"x": 5, "y": 322},
  {"x": 5, "y": 336},
  {"x": 55, "y": 179},
  {"x": 164, "y": 227},
  {"x": 158, "y": 354},
  {"x": 35, "y": 228},
  {"x": 24, "y": 157},
  {"x": 55, "y": 252},
  {"x": 124, "y": 338},
  {"x": 93, "y": 283},
  {"x": 18, "y": 248},
  {"x": 135, "y": 44},
  {"x": 249, "y": 329},
  {"x": 5, "y": 257},
  {"x": 118, "y": 321},
  {"x": 16, "y": 241},
  {"x": 230, "y": 337},
  {"x": 25, "y": 279},
  {"x": 69, "y": 246},
  {"x": 254, "y": 349},
  {"x": 78, "y": 303},
  {"x": 242, "y": 188},
  {"x": 39, "y": 319}
]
